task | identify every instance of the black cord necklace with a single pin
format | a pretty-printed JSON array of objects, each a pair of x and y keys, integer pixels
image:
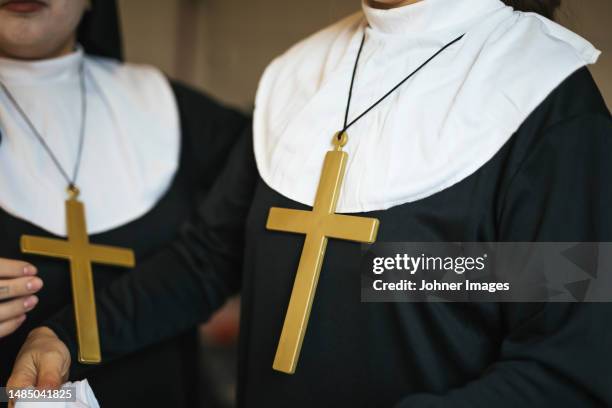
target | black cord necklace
[
  {"x": 348, "y": 124},
  {"x": 72, "y": 188}
]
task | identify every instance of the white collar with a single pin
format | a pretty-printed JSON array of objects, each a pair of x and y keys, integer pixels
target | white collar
[
  {"x": 426, "y": 16},
  {"x": 131, "y": 149},
  {"x": 21, "y": 72},
  {"x": 438, "y": 128}
]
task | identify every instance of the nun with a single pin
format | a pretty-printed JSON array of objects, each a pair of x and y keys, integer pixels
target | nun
[
  {"x": 136, "y": 147},
  {"x": 409, "y": 121}
]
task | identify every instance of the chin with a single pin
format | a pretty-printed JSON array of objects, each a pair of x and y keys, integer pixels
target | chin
[
  {"x": 390, "y": 3},
  {"x": 28, "y": 37},
  {"x": 42, "y": 33},
  {"x": 387, "y": 2},
  {"x": 26, "y": 49}
]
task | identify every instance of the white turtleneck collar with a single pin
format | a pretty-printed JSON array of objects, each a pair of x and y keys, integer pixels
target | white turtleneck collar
[
  {"x": 131, "y": 148},
  {"x": 426, "y": 16},
  {"x": 24, "y": 72},
  {"x": 438, "y": 128}
]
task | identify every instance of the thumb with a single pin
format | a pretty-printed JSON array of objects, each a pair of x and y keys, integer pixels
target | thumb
[{"x": 51, "y": 371}]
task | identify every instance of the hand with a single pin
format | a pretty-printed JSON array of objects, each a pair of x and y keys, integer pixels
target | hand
[
  {"x": 17, "y": 287},
  {"x": 43, "y": 362}
]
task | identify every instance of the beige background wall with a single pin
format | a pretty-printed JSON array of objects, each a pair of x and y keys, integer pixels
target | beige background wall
[{"x": 222, "y": 46}]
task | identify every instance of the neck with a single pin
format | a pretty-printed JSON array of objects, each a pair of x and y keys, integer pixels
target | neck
[
  {"x": 28, "y": 54},
  {"x": 386, "y": 5}
]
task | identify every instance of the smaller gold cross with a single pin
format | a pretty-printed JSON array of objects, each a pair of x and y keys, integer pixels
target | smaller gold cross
[
  {"x": 319, "y": 224},
  {"x": 81, "y": 255}
]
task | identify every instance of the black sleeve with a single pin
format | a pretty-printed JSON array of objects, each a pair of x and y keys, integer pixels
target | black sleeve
[
  {"x": 553, "y": 354},
  {"x": 209, "y": 130},
  {"x": 184, "y": 284}
]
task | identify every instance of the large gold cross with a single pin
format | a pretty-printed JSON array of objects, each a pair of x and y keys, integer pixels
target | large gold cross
[
  {"x": 81, "y": 255},
  {"x": 319, "y": 224}
]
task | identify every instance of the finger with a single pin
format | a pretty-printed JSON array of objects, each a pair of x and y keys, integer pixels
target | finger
[
  {"x": 50, "y": 371},
  {"x": 11, "y": 288},
  {"x": 9, "y": 326},
  {"x": 10, "y": 268},
  {"x": 17, "y": 307}
]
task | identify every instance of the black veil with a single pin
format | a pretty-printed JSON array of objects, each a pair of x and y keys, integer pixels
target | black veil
[{"x": 99, "y": 31}]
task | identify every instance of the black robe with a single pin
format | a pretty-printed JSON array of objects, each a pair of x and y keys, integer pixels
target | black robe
[
  {"x": 208, "y": 132},
  {"x": 549, "y": 182}
]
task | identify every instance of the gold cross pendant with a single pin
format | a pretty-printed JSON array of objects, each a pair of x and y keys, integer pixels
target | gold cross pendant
[
  {"x": 318, "y": 225},
  {"x": 81, "y": 255}
]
